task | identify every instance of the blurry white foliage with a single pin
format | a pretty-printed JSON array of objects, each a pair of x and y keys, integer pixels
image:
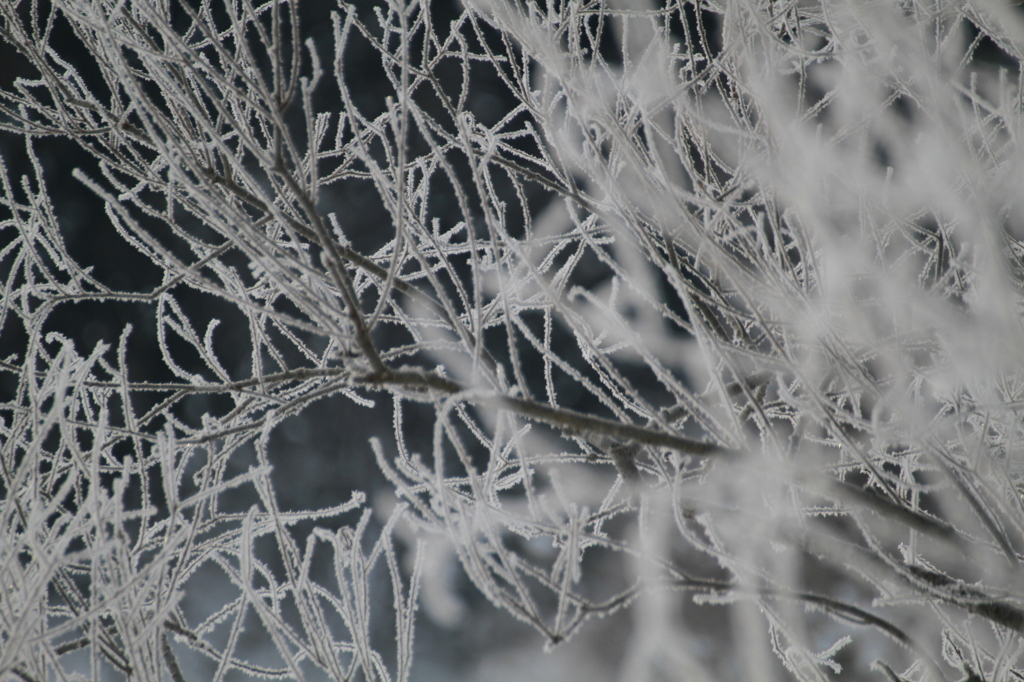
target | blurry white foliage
[{"x": 728, "y": 316}]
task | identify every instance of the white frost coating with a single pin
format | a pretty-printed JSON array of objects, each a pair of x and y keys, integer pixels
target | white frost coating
[{"x": 704, "y": 319}]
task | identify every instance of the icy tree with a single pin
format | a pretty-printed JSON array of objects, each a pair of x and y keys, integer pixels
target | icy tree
[{"x": 721, "y": 315}]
